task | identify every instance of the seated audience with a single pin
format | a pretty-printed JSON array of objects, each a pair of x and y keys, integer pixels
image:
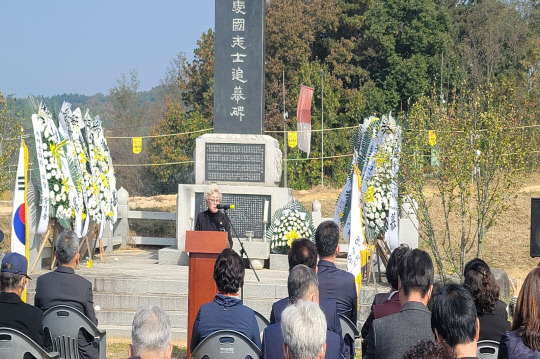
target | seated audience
[
  {"x": 65, "y": 287},
  {"x": 385, "y": 304},
  {"x": 491, "y": 311},
  {"x": 392, "y": 336},
  {"x": 430, "y": 350},
  {"x": 151, "y": 334},
  {"x": 14, "y": 313},
  {"x": 303, "y": 327},
  {"x": 454, "y": 321},
  {"x": 304, "y": 251},
  {"x": 302, "y": 285},
  {"x": 226, "y": 311},
  {"x": 524, "y": 339}
]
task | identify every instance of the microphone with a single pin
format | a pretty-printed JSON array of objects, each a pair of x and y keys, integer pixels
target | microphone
[{"x": 225, "y": 206}]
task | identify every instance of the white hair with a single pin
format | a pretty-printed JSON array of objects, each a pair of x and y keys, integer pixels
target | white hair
[
  {"x": 151, "y": 330},
  {"x": 210, "y": 190},
  {"x": 304, "y": 329}
]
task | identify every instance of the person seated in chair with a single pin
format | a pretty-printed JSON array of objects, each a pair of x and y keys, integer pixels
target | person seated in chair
[
  {"x": 151, "y": 334},
  {"x": 226, "y": 311},
  {"x": 302, "y": 285},
  {"x": 454, "y": 320},
  {"x": 304, "y": 325},
  {"x": 64, "y": 287},
  {"x": 14, "y": 313}
]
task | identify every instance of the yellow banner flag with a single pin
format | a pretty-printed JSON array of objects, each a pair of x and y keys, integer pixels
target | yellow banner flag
[
  {"x": 292, "y": 138},
  {"x": 432, "y": 138},
  {"x": 137, "y": 144}
]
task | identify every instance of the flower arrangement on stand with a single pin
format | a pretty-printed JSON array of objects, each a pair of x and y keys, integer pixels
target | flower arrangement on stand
[
  {"x": 291, "y": 222},
  {"x": 56, "y": 174}
]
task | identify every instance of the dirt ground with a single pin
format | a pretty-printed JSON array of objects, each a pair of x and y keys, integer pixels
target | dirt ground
[{"x": 506, "y": 245}]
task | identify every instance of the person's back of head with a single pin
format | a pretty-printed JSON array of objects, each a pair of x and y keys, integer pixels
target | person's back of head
[
  {"x": 327, "y": 238},
  {"x": 304, "y": 331},
  {"x": 229, "y": 272},
  {"x": 453, "y": 317},
  {"x": 302, "y": 284},
  {"x": 426, "y": 349},
  {"x": 151, "y": 334},
  {"x": 303, "y": 251},
  {"x": 13, "y": 272},
  {"x": 526, "y": 321},
  {"x": 67, "y": 247},
  {"x": 393, "y": 265},
  {"x": 415, "y": 273},
  {"x": 480, "y": 282}
]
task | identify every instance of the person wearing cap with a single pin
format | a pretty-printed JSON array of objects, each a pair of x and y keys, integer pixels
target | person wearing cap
[{"x": 16, "y": 314}]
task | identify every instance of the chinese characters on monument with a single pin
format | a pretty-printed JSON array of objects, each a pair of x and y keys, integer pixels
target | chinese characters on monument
[{"x": 239, "y": 67}]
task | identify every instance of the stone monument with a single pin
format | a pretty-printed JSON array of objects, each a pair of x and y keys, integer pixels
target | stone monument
[{"x": 244, "y": 163}]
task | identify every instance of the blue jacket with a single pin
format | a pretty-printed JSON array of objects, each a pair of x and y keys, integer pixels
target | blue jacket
[
  {"x": 512, "y": 346},
  {"x": 338, "y": 285},
  {"x": 224, "y": 313},
  {"x": 272, "y": 344}
]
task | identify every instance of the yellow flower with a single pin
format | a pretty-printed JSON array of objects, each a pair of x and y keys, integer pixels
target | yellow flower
[
  {"x": 340, "y": 214},
  {"x": 83, "y": 157},
  {"x": 291, "y": 236},
  {"x": 72, "y": 213},
  {"x": 369, "y": 197},
  {"x": 89, "y": 264},
  {"x": 380, "y": 161},
  {"x": 52, "y": 147},
  {"x": 83, "y": 216},
  {"x": 65, "y": 183}
]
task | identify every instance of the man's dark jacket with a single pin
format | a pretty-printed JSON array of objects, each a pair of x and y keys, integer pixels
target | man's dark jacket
[
  {"x": 26, "y": 318},
  {"x": 63, "y": 286}
]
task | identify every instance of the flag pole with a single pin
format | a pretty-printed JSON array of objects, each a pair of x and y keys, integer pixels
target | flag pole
[
  {"x": 322, "y": 128},
  {"x": 284, "y": 132}
]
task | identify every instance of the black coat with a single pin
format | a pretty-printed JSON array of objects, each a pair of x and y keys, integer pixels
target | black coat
[{"x": 23, "y": 317}]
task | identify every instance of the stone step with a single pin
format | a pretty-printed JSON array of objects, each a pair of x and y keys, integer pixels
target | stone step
[{"x": 125, "y": 317}]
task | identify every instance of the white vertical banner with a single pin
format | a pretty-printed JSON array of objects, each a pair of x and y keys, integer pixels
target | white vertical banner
[{"x": 356, "y": 236}]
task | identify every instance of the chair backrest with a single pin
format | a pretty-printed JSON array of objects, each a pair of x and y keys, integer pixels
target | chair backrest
[
  {"x": 14, "y": 344},
  {"x": 226, "y": 343},
  {"x": 348, "y": 328},
  {"x": 262, "y": 322},
  {"x": 487, "y": 349},
  {"x": 64, "y": 323}
]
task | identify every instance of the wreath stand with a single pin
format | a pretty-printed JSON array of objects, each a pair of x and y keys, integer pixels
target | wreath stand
[
  {"x": 383, "y": 253},
  {"x": 51, "y": 229},
  {"x": 93, "y": 232}
]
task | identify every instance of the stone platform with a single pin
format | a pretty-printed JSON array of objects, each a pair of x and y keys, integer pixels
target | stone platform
[{"x": 132, "y": 278}]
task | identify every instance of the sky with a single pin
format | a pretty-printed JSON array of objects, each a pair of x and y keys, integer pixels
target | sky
[{"x": 74, "y": 46}]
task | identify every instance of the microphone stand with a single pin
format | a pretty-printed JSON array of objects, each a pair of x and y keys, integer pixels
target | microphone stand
[{"x": 242, "y": 252}]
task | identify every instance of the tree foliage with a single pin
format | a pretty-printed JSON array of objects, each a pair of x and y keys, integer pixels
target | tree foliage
[
  {"x": 479, "y": 156},
  {"x": 8, "y": 142}
]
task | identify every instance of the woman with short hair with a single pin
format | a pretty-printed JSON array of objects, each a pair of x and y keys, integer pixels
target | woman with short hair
[
  {"x": 524, "y": 340},
  {"x": 213, "y": 219},
  {"x": 226, "y": 311}
]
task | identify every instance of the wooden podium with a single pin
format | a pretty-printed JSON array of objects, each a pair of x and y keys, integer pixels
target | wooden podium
[{"x": 203, "y": 248}]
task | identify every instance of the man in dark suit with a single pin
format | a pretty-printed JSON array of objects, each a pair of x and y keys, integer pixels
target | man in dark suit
[
  {"x": 15, "y": 313},
  {"x": 63, "y": 286},
  {"x": 334, "y": 283},
  {"x": 454, "y": 320},
  {"x": 392, "y": 336},
  {"x": 304, "y": 251},
  {"x": 302, "y": 286}
]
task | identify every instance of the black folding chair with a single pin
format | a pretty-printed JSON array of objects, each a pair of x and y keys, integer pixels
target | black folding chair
[
  {"x": 14, "y": 345},
  {"x": 226, "y": 343},
  {"x": 64, "y": 324}
]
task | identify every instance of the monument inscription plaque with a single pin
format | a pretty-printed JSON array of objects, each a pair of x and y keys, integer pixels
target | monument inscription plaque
[
  {"x": 248, "y": 212},
  {"x": 238, "y": 162},
  {"x": 239, "y": 67}
]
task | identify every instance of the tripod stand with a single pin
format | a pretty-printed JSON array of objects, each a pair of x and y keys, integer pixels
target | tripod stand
[{"x": 242, "y": 252}]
